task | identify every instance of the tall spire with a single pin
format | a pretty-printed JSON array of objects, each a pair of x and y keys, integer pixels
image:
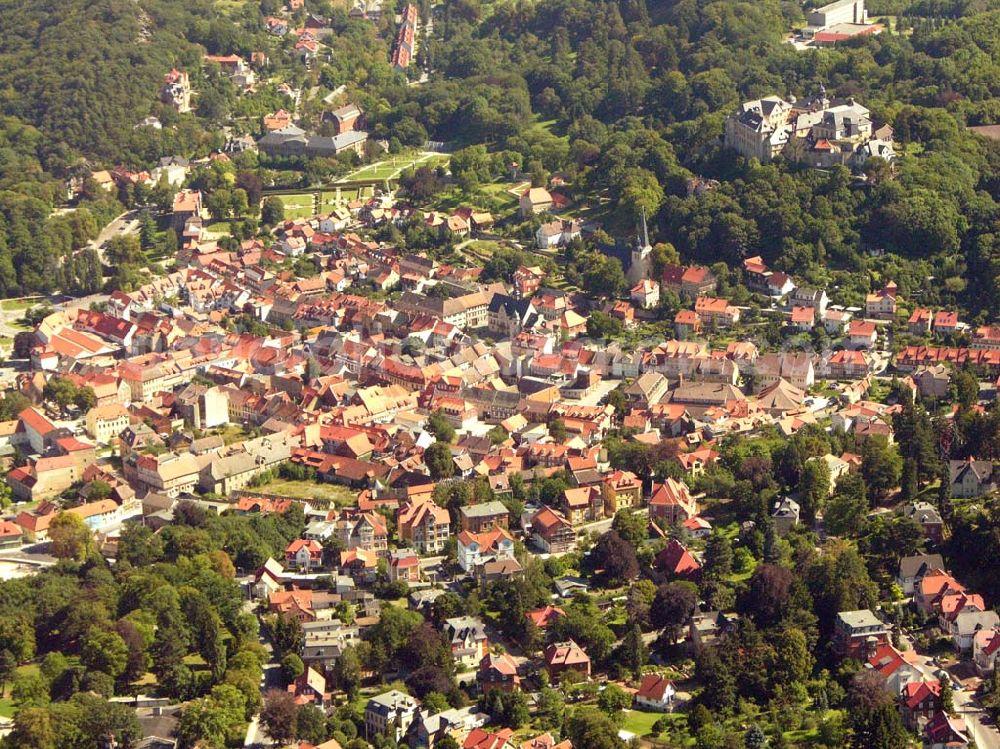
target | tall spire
[{"x": 644, "y": 238}]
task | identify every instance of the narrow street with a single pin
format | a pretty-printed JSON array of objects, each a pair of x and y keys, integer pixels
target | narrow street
[
  {"x": 256, "y": 735},
  {"x": 985, "y": 736}
]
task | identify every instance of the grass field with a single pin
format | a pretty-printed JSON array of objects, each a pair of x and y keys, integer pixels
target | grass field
[
  {"x": 392, "y": 166},
  {"x": 641, "y": 723},
  {"x": 13, "y": 305},
  {"x": 338, "y": 495},
  {"x": 7, "y": 708},
  {"x": 299, "y": 205},
  {"x": 328, "y": 199},
  {"x": 219, "y": 227}
]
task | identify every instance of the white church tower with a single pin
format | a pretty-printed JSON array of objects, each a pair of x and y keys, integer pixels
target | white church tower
[{"x": 642, "y": 260}]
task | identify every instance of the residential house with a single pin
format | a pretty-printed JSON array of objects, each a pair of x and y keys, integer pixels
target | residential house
[
  {"x": 468, "y": 641},
  {"x": 919, "y": 701},
  {"x": 105, "y": 423},
  {"x": 933, "y": 381},
  {"x": 622, "y": 490},
  {"x": 476, "y": 549},
  {"x": 545, "y": 616},
  {"x": 966, "y": 624},
  {"x": 715, "y": 312},
  {"x": 794, "y": 367},
  {"x": 677, "y": 562},
  {"x": 582, "y": 504},
  {"x": 862, "y": 334},
  {"x": 857, "y": 634},
  {"x": 304, "y": 554},
  {"x": 557, "y": 233},
  {"x": 882, "y": 304},
  {"x": 672, "y": 502},
  {"x": 893, "y": 667},
  {"x": 551, "y": 532},
  {"x": 928, "y": 517},
  {"x": 655, "y": 693},
  {"x": 802, "y": 318},
  {"x": 365, "y": 531},
  {"x": 945, "y": 323},
  {"x": 913, "y": 568},
  {"x": 919, "y": 323},
  {"x": 785, "y": 515},
  {"x": 688, "y": 282},
  {"x": 645, "y": 294},
  {"x": 35, "y": 428},
  {"x": 390, "y": 714},
  {"x": 561, "y": 657},
  {"x": 804, "y": 296},
  {"x": 404, "y": 566},
  {"x": 534, "y": 200},
  {"x": 310, "y": 689},
  {"x": 483, "y": 516},
  {"x": 985, "y": 646},
  {"x": 971, "y": 478},
  {"x": 687, "y": 322},
  {"x": 498, "y": 671},
  {"x": 945, "y": 732},
  {"x": 509, "y": 316},
  {"x": 423, "y": 525},
  {"x": 647, "y": 389},
  {"x": 480, "y": 738},
  {"x": 527, "y": 280}
]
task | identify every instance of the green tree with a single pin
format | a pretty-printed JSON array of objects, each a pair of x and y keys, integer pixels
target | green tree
[
  {"x": 718, "y": 557},
  {"x": 439, "y": 461},
  {"x": 310, "y": 725},
  {"x": 69, "y": 537},
  {"x": 613, "y": 699},
  {"x": 633, "y": 653},
  {"x": 631, "y": 526},
  {"x": 846, "y": 510},
  {"x": 104, "y": 651},
  {"x": 642, "y": 194},
  {"x": 673, "y": 608},
  {"x": 272, "y": 211},
  {"x": 881, "y": 466},
  {"x": 278, "y": 716},
  {"x": 814, "y": 487},
  {"x": 292, "y": 667},
  {"x": 440, "y": 427},
  {"x": 593, "y": 730},
  {"x": 33, "y": 729},
  {"x": 873, "y": 715}
]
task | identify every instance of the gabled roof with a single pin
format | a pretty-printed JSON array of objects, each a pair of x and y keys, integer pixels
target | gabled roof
[{"x": 654, "y": 687}]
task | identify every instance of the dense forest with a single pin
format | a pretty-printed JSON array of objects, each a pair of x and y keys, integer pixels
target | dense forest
[{"x": 642, "y": 96}]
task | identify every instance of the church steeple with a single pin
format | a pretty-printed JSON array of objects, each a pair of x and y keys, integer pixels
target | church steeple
[
  {"x": 641, "y": 265},
  {"x": 642, "y": 239}
]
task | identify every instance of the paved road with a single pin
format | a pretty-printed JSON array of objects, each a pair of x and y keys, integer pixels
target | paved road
[
  {"x": 256, "y": 735},
  {"x": 126, "y": 223},
  {"x": 985, "y": 736}
]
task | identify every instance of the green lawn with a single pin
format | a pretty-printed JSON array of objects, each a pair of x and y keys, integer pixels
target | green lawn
[
  {"x": 12, "y": 305},
  {"x": 7, "y": 707},
  {"x": 338, "y": 495},
  {"x": 232, "y": 433},
  {"x": 641, "y": 723},
  {"x": 219, "y": 227},
  {"x": 299, "y": 205},
  {"x": 328, "y": 198}
]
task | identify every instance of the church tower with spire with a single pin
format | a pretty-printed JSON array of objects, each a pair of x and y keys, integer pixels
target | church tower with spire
[{"x": 641, "y": 265}]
